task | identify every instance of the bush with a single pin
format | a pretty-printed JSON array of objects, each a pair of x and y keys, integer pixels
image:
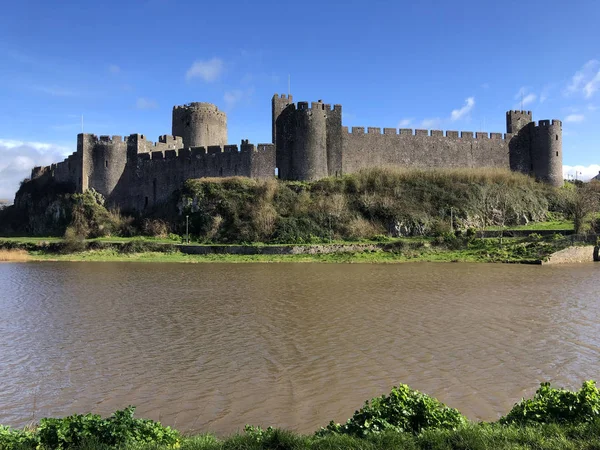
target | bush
[
  {"x": 404, "y": 410},
  {"x": 535, "y": 237},
  {"x": 155, "y": 228},
  {"x": 73, "y": 241},
  {"x": 10, "y": 438},
  {"x": 554, "y": 405},
  {"x": 117, "y": 430}
]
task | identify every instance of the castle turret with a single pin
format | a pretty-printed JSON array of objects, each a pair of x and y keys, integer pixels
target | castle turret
[
  {"x": 516, "y": 120},
  {"x": 200, "y": 125},
  {"x": 309, "y": 148},
  {"x": 278, "y": 105},
  {"x": 546, "y": 151},
  {"x": 519, "y": 123}
]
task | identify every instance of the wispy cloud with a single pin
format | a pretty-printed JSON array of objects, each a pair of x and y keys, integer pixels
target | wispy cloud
[
  {"x": 235, "y": 96},
  {"x": 586, "y": 81},
  {"x": 55, "y": 91},
  {"x": 525, "y": 97},
  {"x": 208, "y": 71},
  {"x": 433, "y": 122},
  {"x": 574, "y": 118},
  {"x": 145, "y": 103},
  {"x": 405, "y": 123},
  {"x": 485, "y": 86},
  {"x": 17, "y": 158},
  {"x": 546, "y": 90},
  {"x": 464, "y": 111},
  {"x": 114, "y": 69},
  {"x": 584, "y": 173}
]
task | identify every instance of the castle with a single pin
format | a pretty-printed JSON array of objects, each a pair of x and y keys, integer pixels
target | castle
[{"x": 308, "y": 143}]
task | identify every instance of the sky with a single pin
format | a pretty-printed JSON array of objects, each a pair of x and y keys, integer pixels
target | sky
[{"x": 435, "y": 64}]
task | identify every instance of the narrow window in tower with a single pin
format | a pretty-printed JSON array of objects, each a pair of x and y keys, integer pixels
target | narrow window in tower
[
  {"x": 146, "y": 202},
  {"x": 557, "y": 137},
  {"x": 106, "y": 164},
  {"x": 556, "y": 153}
]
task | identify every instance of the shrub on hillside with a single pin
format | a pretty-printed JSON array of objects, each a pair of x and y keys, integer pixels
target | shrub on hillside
[
  {"x": 91, "y": 219},
  {"x": 360, "y": 205}
]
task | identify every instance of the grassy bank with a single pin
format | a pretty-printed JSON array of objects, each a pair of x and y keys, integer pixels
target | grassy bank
[
  {"x": 468, "y": 437},
  {"x": 449, "y": 248}
]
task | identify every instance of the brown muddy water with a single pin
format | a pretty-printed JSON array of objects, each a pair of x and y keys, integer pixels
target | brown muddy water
[{"x": 212, "y": 347}]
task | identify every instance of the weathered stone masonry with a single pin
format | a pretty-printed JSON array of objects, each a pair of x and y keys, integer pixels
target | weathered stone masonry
[{"x": 309, "y": 143}]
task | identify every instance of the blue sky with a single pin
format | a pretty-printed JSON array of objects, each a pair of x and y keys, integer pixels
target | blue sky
[{"x": 429, "y": 64}]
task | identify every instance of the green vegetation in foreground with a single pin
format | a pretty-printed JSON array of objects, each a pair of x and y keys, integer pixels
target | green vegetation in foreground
[
  {"x": 448, "y": 249},
  {"x": 404, "y": 419}
]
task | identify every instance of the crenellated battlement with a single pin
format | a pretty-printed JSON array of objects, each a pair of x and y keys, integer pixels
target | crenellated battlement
[
  {"x": 547, "y": 123},
  {"x": 201, "y": 152},
  {"x": 206, "y": 107},
  {"x": 171, "y": 140},
  {"x": 360, "y": 131},
  {"x": 517, "y": 111},
  {"x": 104, "y": 139}
]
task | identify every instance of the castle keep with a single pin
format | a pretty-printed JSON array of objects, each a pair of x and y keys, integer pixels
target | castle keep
[{"x": 308, "y": 143}]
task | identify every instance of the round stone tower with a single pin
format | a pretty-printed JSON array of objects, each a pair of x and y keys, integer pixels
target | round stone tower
[
  {"x": 200, "y": 125},
  {"x": 546, "y": 152},
  {"x": 309, "y": 156}
]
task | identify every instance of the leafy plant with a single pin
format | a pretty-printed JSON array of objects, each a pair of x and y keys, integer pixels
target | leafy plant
[
  {"x": 403, "y": 410},
  {"x": 119, "y": 429},
  {"x": 10, "y": 438},
  {"x": 550, "y": 405},
  {"x": 257, "y": 433}
]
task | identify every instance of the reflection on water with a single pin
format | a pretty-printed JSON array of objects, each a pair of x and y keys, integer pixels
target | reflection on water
[{"x": 211, "y": 347}]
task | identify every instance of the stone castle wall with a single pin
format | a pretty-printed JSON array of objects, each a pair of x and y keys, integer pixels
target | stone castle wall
[
  {"x": 422, "y": 148},
  {"x": 135, "y": 173}
]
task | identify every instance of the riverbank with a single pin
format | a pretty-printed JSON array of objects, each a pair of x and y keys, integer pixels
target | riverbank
[
  {"x": 553, "y": 418},
  {"x": 471, "y": 437},
  {"x": 443, "y": 249}
]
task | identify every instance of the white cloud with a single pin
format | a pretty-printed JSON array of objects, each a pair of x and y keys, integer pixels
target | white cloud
[
  {"x": 114, "y": 69},
  {"x": 592, "y": 86},
  {"x": 525, "y": 97},
  {"x": 529, "y": 98},
  {"x": 592, "y": 107},
  {"x": 573, "y": 118},
  {"x": 405, "y": 123},
  {"x": 587, "y": 80},
  {"x": 584, "y": 173},
  {"x": 431, "y": 123},
  {"x": 17, "y": 158},
  {"x": 207, "y": 70},
  {"x": 462, "y": 112},
  {"x": 145, "y": 103}
]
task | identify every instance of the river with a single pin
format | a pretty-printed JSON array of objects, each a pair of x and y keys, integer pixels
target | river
[{"x": 212, "y": 347}]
